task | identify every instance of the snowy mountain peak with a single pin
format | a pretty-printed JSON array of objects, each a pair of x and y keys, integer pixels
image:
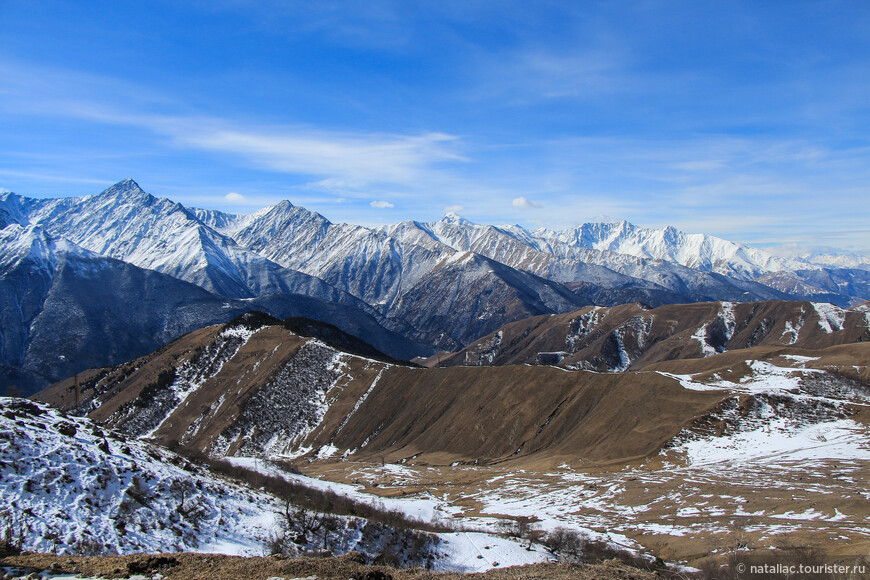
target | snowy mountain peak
[
  {"x": 11, "y": 210},
  {"x": 454, "y": 218},
  {"x": 126, "y": 188},
  {"x": 32, "y": 243}
]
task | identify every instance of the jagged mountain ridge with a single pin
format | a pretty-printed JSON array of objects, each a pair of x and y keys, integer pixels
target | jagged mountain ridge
[
  {"x": 66, "y": 309},
  {"x": 698, "y": 251},
  {"x": 380, "y": 264},
  {"x": 305, "y": 241},
  {"x": 678, "y": 268},
  {"x": 128, "y": 224},
  {"x": 635, "y": 336}
]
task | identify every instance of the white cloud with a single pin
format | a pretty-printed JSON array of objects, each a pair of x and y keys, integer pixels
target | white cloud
[
  {"x": 523, "y": 203},
  {"x": 381, "y": 204},
  {"x": 234, "y": 197},
  {"x": 454, "y": 208}
]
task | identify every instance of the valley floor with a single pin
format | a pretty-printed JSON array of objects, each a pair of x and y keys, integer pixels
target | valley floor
[{"x": 748, "y": 499}]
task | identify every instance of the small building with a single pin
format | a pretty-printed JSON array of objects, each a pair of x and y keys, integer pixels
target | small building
[{"x": 550, "y": 358}]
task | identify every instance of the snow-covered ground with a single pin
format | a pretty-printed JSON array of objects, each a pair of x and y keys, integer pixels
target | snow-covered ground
[
  {"x": 70, "y": 486},
  {"x": 780, "y": 440},
  {"x": 472, "y": 551}
]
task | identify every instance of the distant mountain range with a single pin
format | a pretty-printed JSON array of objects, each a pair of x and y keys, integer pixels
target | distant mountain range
[{"x": 97, "y": 280}]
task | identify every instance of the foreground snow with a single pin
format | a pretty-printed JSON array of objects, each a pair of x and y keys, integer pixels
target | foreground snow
[
  {"x": 462, "y": 551},
  {"x": 72, "y": 487}
]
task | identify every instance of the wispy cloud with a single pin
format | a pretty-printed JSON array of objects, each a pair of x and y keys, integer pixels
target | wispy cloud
[
  {"x": 523, "y": 203},
  {"x": 361, "y": 158},
  {"x": 343, "y": 159},
  {"x": 381, "y": 204},
  {"x": 53, "y": 177}
]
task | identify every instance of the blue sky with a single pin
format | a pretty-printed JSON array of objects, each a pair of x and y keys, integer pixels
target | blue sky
[{"x": 747, "y": 120}]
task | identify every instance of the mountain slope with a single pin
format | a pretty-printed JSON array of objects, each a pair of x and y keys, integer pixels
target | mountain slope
[
  {"x": 66, "y": 309},
  {"x": 70, "y": 486},
  {"x": 300, "y": 396},
  {"x": 633, "y": 336},
  {"x": 467, "y": 294},
  {"x": 257, "y": 389}
]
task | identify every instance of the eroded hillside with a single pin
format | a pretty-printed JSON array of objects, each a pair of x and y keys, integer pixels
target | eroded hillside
[{"x": 633, "y": 336}]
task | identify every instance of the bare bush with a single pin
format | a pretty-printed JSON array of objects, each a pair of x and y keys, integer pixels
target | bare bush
[
  {"x": 565, "y": 544},
  {"x": 88, "y": 545},
  {"x": 322, "y": 501},
  {"x": 522, "y": 528}
]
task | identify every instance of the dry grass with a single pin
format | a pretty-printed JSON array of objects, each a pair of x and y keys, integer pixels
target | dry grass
[{"x": 215, "y": 567}]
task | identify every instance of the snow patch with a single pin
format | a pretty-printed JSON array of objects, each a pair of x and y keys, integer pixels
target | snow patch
[
  {"x": 831, "y": 318},
  {"x": 779, "y": 441}
]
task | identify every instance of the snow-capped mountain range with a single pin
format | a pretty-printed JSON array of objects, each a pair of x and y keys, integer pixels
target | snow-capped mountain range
[{"x": 440, "y": 285}]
